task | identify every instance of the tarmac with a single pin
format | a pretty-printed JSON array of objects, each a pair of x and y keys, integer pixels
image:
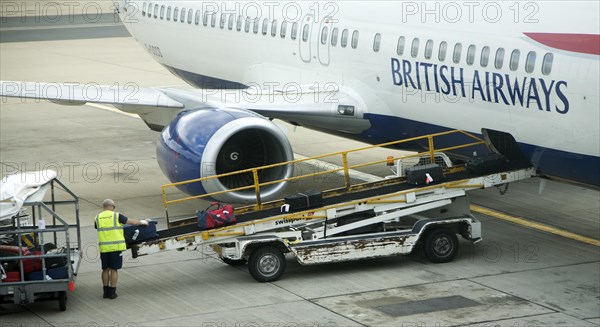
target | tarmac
[{"x": 518, "y": 275}]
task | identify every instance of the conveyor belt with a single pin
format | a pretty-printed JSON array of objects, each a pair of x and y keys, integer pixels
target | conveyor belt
[{"x": 340, "y": 197}]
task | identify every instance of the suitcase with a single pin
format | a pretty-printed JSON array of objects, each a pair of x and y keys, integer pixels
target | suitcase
[
  {"x": 54, "y": 261},
  {"x": 140, "y": 233},
  {"x": 304, "y": 201},
  {"x": 53, "y": 273},
  {"x": 424, "y": 174},
  {"x": 487, "y": 164},
  {"x": 221, "y": 215},
  {"x": 29, "y": 265},
  {"x": 12, "y": 277}
]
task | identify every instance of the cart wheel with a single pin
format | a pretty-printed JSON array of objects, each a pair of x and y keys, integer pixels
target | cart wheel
[
  {"x": 441, "y": 245},
  {"x": 267, "y": 264},
  {"x": 233, "y": 262},
  {"x": 62, "y": 300}
]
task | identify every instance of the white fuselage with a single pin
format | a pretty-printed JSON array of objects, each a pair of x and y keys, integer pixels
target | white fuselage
[{"x": 551, "y": 101}]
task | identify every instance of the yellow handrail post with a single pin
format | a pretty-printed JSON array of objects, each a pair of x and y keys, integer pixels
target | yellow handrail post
[
  {"x": 346, "y": 173},
  {"x": 164, "y": 194},
  {"x": 431, "y": 149},
  {"x": 257, "y": 189}
]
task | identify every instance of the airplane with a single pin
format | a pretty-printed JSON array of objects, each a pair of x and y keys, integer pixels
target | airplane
[{"x": 523, "y": 76}]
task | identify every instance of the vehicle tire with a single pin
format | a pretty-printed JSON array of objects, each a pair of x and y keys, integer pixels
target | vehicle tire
[
  {"x": 441, "y": 245},
  {"x": 62, "y": 300},
  {"x": 234, "y": 263},
  {"x": 267, "y": 264}
]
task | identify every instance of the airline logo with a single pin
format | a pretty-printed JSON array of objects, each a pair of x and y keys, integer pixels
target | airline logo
[{"x": 527, "y": 92}]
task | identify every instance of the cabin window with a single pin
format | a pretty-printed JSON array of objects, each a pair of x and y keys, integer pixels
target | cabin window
[
  {"x": 400, "y": 48},
  {"x": 428, "y": 49},
  {"x": 205, "y": 18},
  {"x": 294, "y": 30},
  {"x": 514, "y": 60},
  {"x": 414, "y": 49},
  {"x": 377, "y": 42},
  {"x": 155, "y": 11},
  {"x": 457, "y": 53},
  {"x": 197, "y": 19},
  {"x": 355, "y": 39},
  {"x": 190, "y": 16},
  {"x": 256, "y": 25},
  {"x": 247, "y": 26},
  {"x": 324, "y": 35},
  {"x": 213, "y": 19},
  {"x": 169, "y": 10},
  {"x": 222, "y": 21},
  {"x": 305, "y": 32},
  {"x": 265, "y": 26},
  {"x": 471, "y": 54},
  {"x": 231, "y": 22},
  {"x": 499, "y": 62},
  {"x": 144, "y": 7},
  {"x": 162, "y": 12},
  {"x": 547, "y": 63},
  {"x": 530, "y": 62},
  {"x": 442, "y": 52},
  {"x": 274, "y": 28},
  {"x": 485, "y": 56},
  {"x": 182, "y": 15},
  {"x": 344, "y": 41},
  {"x": 334, "y": 36},
  {"x": 175, "y": 14},
  {"x": 283, "y": 30},
  {"x": 240, "y": 21}
]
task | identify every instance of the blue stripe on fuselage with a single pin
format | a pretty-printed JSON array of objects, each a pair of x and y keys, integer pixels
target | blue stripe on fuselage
[{"x": 570, "y": 166}]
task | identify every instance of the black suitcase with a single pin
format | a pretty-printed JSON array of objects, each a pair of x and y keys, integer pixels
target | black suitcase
[
  {"x": 304, "y": 201},
  {"x": 487, "y": 164},
  {"x": 140, "y": 233},
  {"x": 424, "y": 174}
]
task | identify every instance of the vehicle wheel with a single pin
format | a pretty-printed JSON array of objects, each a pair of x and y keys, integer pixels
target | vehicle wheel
[
  {"x": 267, "y": 264},
  {"x": 441, "y": 245},
  {"x": 233, "y": 262},
  {"x": 62, "y": 300}
]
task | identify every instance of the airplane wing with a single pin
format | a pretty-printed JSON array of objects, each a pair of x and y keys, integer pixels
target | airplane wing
[{"x": 154, "y": 106}]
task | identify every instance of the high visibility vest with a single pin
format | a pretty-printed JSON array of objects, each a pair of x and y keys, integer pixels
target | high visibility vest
[{"x": 110, "y": 232}]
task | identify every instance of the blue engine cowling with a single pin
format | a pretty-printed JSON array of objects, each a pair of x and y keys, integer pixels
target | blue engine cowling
[{"x": 208, "y": 142}]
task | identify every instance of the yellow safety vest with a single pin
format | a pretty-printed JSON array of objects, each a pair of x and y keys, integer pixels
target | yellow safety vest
[{"x": 110, "y": 232}]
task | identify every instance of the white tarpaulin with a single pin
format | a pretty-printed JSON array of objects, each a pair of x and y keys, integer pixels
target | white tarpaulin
[{"x": 16, "y": 188}]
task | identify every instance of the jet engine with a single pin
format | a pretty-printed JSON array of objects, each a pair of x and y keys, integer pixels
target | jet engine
[{"x": 208, "y": 142}]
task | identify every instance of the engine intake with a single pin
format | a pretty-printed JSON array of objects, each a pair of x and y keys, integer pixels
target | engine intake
[{"x": 208, "y": 142}]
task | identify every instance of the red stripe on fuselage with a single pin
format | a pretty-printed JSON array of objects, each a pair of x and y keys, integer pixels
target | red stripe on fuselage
[{"x": 582, "y": 43}]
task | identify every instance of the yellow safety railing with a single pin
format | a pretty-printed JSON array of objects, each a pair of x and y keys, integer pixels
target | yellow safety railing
[{"x": 345, "y": 168}]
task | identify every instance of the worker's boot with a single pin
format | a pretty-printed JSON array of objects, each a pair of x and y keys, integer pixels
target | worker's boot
[
  {"x": 106, "y": 292},
  {"x": 112, "y": 294}
]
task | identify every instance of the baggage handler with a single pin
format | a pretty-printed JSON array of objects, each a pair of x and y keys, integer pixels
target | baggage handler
[{"x": 112, "y": 243}]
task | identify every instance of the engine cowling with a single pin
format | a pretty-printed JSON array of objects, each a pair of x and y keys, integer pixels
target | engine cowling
[{"x": 208, "y": 142}]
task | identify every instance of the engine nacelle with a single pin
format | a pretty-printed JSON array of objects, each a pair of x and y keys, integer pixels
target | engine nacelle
[{"x": 208, "y": 142}]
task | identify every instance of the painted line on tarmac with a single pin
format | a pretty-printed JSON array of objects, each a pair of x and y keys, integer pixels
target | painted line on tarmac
[{"x": 534, "y": 225}]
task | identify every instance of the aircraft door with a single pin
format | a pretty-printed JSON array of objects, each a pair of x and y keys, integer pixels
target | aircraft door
[
  {"x": 305, "y": 38},
  {"x": 324, "y": 43}
]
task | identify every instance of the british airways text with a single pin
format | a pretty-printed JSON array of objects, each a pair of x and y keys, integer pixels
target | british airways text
[{"x": 526, "y": 92}]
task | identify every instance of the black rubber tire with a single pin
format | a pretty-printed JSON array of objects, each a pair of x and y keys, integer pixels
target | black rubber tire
[
  {"x": 267, "y": 264},
  {"x": 234, "y": 263},
  {"x": 441, "y": 245},
  {"x": 62, "y": 300}
]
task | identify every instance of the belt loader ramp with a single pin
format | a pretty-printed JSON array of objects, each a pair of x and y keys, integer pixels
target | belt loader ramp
[{"x": 362, "y": 221}]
